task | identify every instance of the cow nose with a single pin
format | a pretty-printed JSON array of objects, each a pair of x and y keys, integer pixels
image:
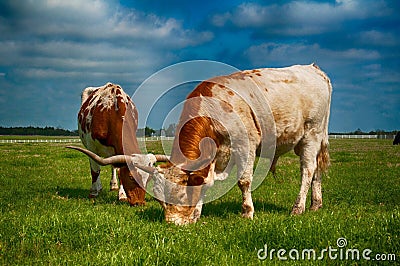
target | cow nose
[{"x": 177, "y": 220}]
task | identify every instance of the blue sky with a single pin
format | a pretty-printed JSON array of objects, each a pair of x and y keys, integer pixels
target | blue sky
[{"x": 51, "y": 50}]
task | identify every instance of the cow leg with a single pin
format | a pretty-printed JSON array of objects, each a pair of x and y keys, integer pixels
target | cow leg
[
  {"x": 245, "y": 178},
  {"x": 96, "y": 181},
  {"x": 273, "y": 166},
  {"x": 114, "y": 181},
  {"x": 121, "y": 194},
  {"x": 308, "y": 163},
  {"x": 114, "y": 185},
  {"x": 316, "y": 200}
]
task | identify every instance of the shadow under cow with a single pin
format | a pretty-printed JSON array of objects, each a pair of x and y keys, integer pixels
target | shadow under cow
[
  {"x": 106, "y": 197},
  {"x": 223, "y": 209}
]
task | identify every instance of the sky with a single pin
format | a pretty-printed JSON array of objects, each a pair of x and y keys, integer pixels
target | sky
[{"x": 50, "y": 50}]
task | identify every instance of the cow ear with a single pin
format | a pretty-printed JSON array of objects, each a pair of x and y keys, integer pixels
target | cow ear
[{"x": 195, "y": 180}]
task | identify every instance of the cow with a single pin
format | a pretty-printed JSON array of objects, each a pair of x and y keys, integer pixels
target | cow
[
  {"x": 105, "y": 112},
  {"x": 396, "y": 140},
  {"x": 210, "y": 140}
]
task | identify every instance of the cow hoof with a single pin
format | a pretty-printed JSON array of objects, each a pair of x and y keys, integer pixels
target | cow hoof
[
  {"x": 297, "y": 210},
  {"x": 123, "y": 199},
  {"x": 247, "y": 215},
  {"x": 91, "y": 196},
  {"x": 315, "y": 207},
  {"x": 113, "y": 186},
  {"x": 247, "y": 211},
  {"x": 135, "y": 204}
]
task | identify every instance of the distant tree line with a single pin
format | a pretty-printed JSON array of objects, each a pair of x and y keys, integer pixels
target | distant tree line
[
  {"x": 148, "y": 132},
  {"x": 358, "y": 131},
  {"x": 51, "y": 131},
  {"x": 41, "y": 131}
]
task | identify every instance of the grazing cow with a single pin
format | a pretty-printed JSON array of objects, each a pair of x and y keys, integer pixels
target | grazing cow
[
  {"x": 396, "y": 140},
  {"x": 105, "y": 112},
  {"x": 209, "y": 139}
]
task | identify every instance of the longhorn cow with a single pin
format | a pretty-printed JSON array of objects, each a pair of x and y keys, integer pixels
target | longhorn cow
[
  {"x": 107, "y": 113},
  {"x": 206, "y": 148}
]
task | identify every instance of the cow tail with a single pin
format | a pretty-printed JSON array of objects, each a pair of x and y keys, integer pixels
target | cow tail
[{"x": 323, "y": 159}]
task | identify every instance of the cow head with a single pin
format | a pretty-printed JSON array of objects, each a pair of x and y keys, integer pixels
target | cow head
[
  {"x": 179, "y": 188},
  {"x": 180, "y": 191},
  {"x": 133, "y": 179}
]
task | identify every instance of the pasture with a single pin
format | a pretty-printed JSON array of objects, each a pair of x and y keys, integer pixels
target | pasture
[{"x": 47, "y": 219}]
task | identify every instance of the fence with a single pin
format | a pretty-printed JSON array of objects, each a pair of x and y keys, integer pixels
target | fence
[
  {"x": 171, "y": 138},
  {"x": 154, "y": 138},
  {"x": 361, "y": 136},
  {"x": 70, "y": 140},
  {"x": 39, "y": 140}
]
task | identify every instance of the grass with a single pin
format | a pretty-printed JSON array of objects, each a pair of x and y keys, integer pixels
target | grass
[{"x": 46, "y": 217}]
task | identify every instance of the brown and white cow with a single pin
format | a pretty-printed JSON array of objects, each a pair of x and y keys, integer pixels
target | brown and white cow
[
  {"x": 107, "y": 113},
  {"x": 222, "y": 123},
  {"x": 299, "y": 99}
]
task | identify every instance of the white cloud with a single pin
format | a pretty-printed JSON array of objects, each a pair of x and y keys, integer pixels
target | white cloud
[
  {"x": 299, "y": 17},
  {"x": 378, "y": 38},
  {"x": 285, "y": 54},
  {"x": 95, "y": 20},
  {"x": 48, "y": 37}
]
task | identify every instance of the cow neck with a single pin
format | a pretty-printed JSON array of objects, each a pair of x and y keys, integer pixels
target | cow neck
[{"x": 194, "y": 127}]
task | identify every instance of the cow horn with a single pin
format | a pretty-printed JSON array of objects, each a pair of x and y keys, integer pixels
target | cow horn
[
  {"x": 117, "y": 159},
  {"x": 148, "y": 169},
  {"x": 162, "y": 158}
]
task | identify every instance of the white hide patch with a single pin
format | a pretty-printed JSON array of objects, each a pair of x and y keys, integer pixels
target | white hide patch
[
  {"x": 105, "y": 98},
  {"x": 145, "y": 160}
]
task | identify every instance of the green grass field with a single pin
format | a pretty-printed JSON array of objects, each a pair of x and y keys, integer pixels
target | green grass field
[{"x": 47, "y": 219}]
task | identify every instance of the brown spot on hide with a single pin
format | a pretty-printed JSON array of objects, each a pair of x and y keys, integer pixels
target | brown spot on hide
[
  {"x": 191, "y": 134},
  {"x": 256, "y": 123},
  {"x": 239, "y": 75},
  {"x": 288, "y": 81},
  {"x": 195, "y": 180},
  {"x": 203, "y": 89},
  {"x": 226, "y": 106},
  {"x": 244, "y": 184},
  {"x": 134, "y": 191},
  {"x": 189, "y": 139}
]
